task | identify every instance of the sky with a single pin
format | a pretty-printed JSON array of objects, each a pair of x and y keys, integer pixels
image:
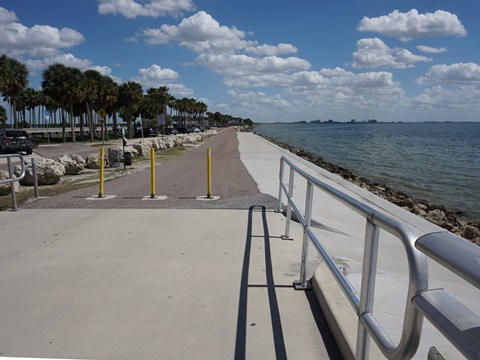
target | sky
[{"x": 267, "y": 60}]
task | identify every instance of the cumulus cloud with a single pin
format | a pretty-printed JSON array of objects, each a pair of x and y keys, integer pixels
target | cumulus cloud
[
  {"x": 461, "y": 73},
  {"x": 65, "y": 59},
  {"x": 374, "y": 53},
  {"x": 105, "y": 71},
  {"x": 240, "y": 65},
  {"x": 7, "y": 17},
  {"x": 259, "y": 104},
  {"x": 411, "y": 25},
  {"x": 155, "y": 76},
  {"x": 180, "y": 91},
  {"x": 39, "y": 40},
  {"x": 269, "y": 50},
  {"x": 200, "y": 33},
  {"x": 431, "y": 50},
  {"x": 153, "y": 8}
]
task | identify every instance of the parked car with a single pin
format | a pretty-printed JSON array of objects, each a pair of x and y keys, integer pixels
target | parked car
[
  {"x": 147, "y": 132},
  {"x": 170, "y": 131},
  {"x": 16, "y": 140}
]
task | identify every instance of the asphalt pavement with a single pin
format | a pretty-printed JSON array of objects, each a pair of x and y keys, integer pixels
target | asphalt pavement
[{"x": 180, "y": 183}]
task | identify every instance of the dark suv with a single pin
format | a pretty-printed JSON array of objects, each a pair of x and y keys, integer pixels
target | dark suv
[{"x": 15, "y": 140}]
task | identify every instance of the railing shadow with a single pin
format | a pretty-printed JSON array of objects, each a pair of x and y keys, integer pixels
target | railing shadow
[{"x": 277, "y": 331}]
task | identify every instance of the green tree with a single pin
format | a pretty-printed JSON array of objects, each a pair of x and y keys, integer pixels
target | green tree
[
  {"x": 154, "y": 102},
  {"x": 107, "y": 99},
  {"x": 14, "y": 79},
  {"x": 130, "y": 95},
  {"x": 52, "y": 86}
]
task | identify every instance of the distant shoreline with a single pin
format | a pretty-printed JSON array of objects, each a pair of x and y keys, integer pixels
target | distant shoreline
[{"x": 452, "y": 221}]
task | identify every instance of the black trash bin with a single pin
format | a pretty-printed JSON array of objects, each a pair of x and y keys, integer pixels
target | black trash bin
[{"x": 127, "y": 158}]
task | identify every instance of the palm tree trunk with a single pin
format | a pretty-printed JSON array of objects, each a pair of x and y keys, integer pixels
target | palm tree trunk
[
  {"x": 72, "y": 122},
  {"x": 82, "y": 120},
  {"x": 115, "y": 125},
  {"x": 64, "y": 125}
]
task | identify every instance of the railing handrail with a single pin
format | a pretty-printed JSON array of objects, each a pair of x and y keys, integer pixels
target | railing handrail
[
  {"x": 455, "y": 321},
  {"x": 13, "y": 178}
]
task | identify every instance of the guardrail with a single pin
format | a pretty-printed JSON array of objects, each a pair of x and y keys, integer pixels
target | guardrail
[
  {"x": 421, "y": 301},
  {"x": 11, "y": 179}
]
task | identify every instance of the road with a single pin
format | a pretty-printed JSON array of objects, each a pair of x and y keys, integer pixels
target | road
[{"x": 181, "y": 181}]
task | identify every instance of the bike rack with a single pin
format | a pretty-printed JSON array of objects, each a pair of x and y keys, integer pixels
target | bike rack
[{"x": 11, "y": 174}]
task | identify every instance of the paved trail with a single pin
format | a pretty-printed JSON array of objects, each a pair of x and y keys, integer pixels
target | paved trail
[{"x": 181, "y": 181}]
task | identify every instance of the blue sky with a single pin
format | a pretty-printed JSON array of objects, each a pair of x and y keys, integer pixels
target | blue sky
[{"x": 267, "y": 60}]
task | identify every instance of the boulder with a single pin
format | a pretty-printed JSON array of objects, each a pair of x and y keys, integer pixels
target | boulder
[
  {"x": 5, "y": 188},
  {"x": 73, "y": 163},
  {"x": 48, "y": 172},
  {"x": 93, "y": 161}
]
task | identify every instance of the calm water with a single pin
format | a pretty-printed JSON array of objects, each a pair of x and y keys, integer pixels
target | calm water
[{"x": 439, "y": 162}]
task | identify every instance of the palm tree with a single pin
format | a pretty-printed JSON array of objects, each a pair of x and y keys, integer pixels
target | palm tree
[
  {"x": 52, "y": 86},
  {"x": 129, "y": 94},
  {"x": 14, "y": 79},
  {"x": 64, "y": 85},
  {"x": 75, "y": 93},
  {"x": 32, "y": 98},
  {"x": 91, "y": 83},
  {"x": 154, "y": 102},
  {"x": 107, "y": 99}
]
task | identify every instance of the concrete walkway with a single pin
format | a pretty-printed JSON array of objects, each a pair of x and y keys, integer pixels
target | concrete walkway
[{"x": 155, "y": 284}]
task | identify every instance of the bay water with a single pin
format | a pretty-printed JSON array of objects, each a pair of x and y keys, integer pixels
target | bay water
[{"x": 438, "y": 162}]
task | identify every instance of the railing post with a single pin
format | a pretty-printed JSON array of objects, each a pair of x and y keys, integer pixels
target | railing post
[
  {"x": 303, "y": 283},
  {"x": 367, "y": 291},
  {"x": 291, "y": 180},
  {"x": 209, "y": 173},
  {"x": 12, "y": 183},
  {"x": 102, "y": 171},
  {"x": 152, "y": 171},
  {"x": 35, "y": 178},
  {"x": 280, "y": 177}
]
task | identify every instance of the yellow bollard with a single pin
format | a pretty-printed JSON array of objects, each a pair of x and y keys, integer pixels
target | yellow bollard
[
  {"x": 102, "y": 171},
  {"x": 209, "y": 173},
  {"x": 152, "y": 164}
]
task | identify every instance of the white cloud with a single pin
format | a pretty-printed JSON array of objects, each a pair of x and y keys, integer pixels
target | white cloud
[
  {"x": 155, "y": 76},
  {"x": 200, "y": 33},
  {"x": 258, "y": 105},
  {"x": 411, "y": 25},
  {"x": 39, "y": 40},
  {"x": 431, "y": 50},
  {"x": 7, "y": 17},
  {"x": 374, "y": 53},
  {"x": 461, "y": 73},
  {"x": 153, "y": 8},
  {"x": 243, "y": 65},
  {"x": 269, "y": 50},
  {"x": 105, "y": 71},
  {"x": 180, "y": 91},
  {"x": 458, "y": 103},
  {"x": 65, "y": 59}
]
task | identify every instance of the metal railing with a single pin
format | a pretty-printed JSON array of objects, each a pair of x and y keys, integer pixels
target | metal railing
[
  {"x": 420, "y": 300},
  {"x": 12, "y": 178}
]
